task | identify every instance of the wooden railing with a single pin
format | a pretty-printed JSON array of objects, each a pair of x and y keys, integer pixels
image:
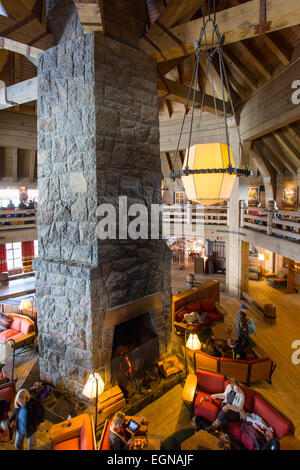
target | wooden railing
[
  {"x": 17, "y": 219},
  {"x": 283, "y": 223},
  {"x": 187, "y": 218}
]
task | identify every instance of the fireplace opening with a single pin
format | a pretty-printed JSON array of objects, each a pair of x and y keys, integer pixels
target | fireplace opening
[{"x": 135, "y": 351}]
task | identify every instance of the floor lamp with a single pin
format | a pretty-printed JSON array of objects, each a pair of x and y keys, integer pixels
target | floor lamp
[
  {"x": 193, "y": 344},
  {"x": 92, "y": 389}
]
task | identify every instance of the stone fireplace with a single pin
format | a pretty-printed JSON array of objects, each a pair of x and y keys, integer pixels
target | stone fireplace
[{"x": 98, "y": 139}]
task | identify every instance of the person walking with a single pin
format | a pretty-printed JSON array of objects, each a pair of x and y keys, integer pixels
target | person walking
[
  {"x": 29, "y": 414},
  {"x": 241, "y": 312}
]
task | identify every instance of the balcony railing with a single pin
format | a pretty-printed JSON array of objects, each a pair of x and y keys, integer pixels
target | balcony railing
[
  {"x": 191, "y": 219},
  {"x": 17, "y": 219},
  {"x": 283, "y": 223}
]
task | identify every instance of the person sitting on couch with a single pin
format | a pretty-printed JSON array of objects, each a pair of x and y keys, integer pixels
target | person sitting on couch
[
  {"x": 195, "y": 318},
  {"x": 232, "y": 406},
  {"x": 212, "y": 348},
  {"x": 117, "y": 437},
  {"x": 237, "y": 349},
  {"x": 260, "y": 433}
]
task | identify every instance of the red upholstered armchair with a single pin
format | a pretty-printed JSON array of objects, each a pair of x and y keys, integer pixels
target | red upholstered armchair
[
  {"x": 196, "y": 394},
  {"x": 78, "y": 436}
]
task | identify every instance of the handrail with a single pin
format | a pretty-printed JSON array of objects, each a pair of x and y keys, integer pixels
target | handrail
[
  {"x": 16, "y": 219},
  {"x": 280, "y": 222}
]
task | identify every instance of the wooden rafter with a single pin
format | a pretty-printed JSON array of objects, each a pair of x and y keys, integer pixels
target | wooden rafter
[
  {"x": 271, "y": 108},
  {"x": 289, "y": 149},
  {"x": 19, "y": 48},
  {"x": 28, "y": 30},
  {"x": 277, "y": 48},
  {"x": 266, "y": 170},
  {"x": 3, "y": 58},
  {"x": 175, "y": 91},
  {"x": 277, "y": 152},
  {"x": 167, "y": 108},
  {"x": 166, "y": 67},
  {"x": 214, "y": 78},
  {"x": 22, "y": 92},
  {"x": 90, "y": 13},
  {"x": 237, "y": 23},
  {"x": 235, "y": 63},
  {"x": 268, "y": 156}
]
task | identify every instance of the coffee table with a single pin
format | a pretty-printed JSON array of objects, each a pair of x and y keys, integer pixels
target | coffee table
[{"x": 202, "y": 440}]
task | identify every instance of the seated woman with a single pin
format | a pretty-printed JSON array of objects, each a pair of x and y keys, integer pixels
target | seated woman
[
  {"x": 212, "y": 348},
  {"x": 232, "y": 406},
  {"x": 117, "y": 437}
]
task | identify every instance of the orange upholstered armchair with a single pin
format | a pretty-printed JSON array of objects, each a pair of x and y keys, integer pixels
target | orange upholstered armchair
[{"x": 79, "y": 435}]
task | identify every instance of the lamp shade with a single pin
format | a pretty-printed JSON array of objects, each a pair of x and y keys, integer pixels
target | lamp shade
[
  {"x": 90, "y": 388},
  {"x": 25, "y": 304},
  {"x": 208, "y": 188},
  {"x": 193, "y": 342},
  {"x": 261, "y": 256}
]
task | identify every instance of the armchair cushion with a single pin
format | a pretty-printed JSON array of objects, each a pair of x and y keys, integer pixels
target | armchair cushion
[
  {"x": 71, "y": 444},
  {"x": 206, "y": 409},
  {"x": 210, "y": 382},
  {"x": 104, "y": 444},
  {"x": 4, "y": 322}
]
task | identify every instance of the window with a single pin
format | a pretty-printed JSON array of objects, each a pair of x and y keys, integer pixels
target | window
[
  {"x": 9, "y": 194},
  {"x": 179, "y": 198},
  {"x": 13, "y": 255},
  {"x": 36, "y": 248}
]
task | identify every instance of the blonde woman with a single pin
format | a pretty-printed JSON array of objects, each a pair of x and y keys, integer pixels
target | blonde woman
[{"x": 29, "y": 414}]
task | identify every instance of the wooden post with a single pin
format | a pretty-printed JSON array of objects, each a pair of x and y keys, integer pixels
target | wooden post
[
  {"x": 270, "y": 207},
  {"x": 245, "y": 246},
  {"x": 290, "y": 287},
  {"x": 242, "y": 213}
]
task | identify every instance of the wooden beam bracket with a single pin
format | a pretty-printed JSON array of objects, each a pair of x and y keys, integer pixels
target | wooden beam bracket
[
  {"x": 264, "y": 26},
  {"x": 172, "y": 36}
]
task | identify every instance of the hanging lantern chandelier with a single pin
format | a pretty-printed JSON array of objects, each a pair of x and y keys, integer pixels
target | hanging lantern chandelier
[{"x": 209, "y": 170}]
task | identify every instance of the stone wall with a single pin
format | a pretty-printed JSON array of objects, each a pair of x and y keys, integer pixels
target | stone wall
[{"x": 98, "y": 139}]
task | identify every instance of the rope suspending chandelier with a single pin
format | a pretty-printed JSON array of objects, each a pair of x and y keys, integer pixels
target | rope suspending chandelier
[{"x": 209, "y": 170}]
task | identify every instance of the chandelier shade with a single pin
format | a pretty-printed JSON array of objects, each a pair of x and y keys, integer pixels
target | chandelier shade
[{"x": 208, "y": 188}]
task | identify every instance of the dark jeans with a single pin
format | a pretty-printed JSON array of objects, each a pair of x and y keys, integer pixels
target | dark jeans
[{"x": 231, "y": 415}]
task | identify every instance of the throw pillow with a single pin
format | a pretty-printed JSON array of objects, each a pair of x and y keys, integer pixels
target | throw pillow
[{"x": 5, "y": 322}]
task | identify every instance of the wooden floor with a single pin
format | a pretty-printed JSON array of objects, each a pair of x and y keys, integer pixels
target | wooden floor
[{"x": 168, "y": 414}]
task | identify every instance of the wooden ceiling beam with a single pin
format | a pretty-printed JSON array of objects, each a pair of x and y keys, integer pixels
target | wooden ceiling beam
[
  {"x": 20, "y": 93},
  {"x": 276, "y": 150},
  {"x": 255, "y": 61},
  {"x": 294, "y": 133},
  {"x": 269, "y": 157},
  {"x": 28, "y": 30},
  {"x": 90, "y": 14},
  {"x": 236, "y": 23},
  {"x": 167, "y": 108},
  {"x": 277, "y": 48},
  {"x": 175, "y": 91},
  {"x": 3, "y": 58},
  {"x": 291, "y": 152},
  {"x": 271, "y": 108},
  {"x": 214, "y": 78},
  {"x": 20, "y": 48},
  {"x": 166, "y": 67},
  {"x": 234, "y": 62}
]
